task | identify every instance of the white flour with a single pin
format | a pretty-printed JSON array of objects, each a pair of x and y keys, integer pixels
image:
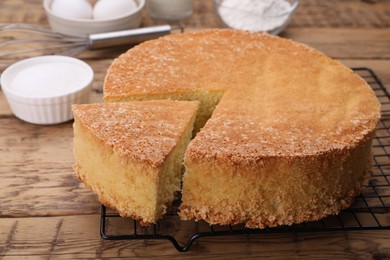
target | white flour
[{"x": 254, "y": 15}]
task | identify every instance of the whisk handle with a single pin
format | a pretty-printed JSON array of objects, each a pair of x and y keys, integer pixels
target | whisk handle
[{"x": 127, "y": 37}]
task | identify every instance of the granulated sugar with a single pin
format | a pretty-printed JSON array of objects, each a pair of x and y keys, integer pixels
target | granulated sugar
[
  {"x": 54, "y": 78},
  {"x": 254, "y": 15}
]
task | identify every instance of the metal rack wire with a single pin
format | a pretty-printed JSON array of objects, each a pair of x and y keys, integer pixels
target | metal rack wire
[{"x": 370, "y": 210}]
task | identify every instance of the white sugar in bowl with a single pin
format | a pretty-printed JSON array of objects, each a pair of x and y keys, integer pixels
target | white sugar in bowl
[{"x": 41, "y": 90}]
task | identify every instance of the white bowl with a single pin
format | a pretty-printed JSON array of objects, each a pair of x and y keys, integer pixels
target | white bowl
[
  {"x": 41, "y": 90},
  {"x": 259, "y": 16},
  {"x": 83, "y": 27}
]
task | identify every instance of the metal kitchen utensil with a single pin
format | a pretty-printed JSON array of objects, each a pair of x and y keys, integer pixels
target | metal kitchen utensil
[{"x": 19, "y": 41}]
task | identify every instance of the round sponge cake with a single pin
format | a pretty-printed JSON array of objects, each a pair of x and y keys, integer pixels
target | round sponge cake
[{"x": 286, "y": 131}]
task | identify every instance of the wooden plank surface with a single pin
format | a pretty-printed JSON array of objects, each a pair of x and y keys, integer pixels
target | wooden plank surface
[
  {"x": 76, "y": 237},
  {"x": 46, "y": 213}
]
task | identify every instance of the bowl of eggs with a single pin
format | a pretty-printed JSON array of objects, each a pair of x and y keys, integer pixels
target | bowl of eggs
[{"x": 85, "y": 17}]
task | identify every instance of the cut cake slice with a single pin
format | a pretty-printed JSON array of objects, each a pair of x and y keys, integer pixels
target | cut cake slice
[{"x": 130, "y": 153}]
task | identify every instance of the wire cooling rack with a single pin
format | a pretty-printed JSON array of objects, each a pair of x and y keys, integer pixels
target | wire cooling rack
[{"x": 370, "y": 210}]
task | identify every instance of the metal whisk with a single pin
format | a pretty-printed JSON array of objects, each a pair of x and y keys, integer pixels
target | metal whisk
[{"x": 19, "y": 41}]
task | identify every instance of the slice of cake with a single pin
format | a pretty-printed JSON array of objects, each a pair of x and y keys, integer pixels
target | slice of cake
[{"x": 130, "y": 154}]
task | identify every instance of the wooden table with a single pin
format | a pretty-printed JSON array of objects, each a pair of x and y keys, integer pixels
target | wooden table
[{"x": 46, "y": 213}]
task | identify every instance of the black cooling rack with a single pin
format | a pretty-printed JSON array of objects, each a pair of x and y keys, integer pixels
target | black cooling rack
[{"x": 370, "y": 210}]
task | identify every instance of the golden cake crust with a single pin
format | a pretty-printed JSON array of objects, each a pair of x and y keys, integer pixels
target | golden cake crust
[
  {"x": 171, "y": 65},
  {"x": 251, "y": 123},
  {"x": 279, "y": 191}
]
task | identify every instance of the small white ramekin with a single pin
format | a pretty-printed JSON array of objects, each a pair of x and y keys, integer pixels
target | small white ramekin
[
  {"x": 56, "y": 89},
  {"x": 84, "y": 27}
]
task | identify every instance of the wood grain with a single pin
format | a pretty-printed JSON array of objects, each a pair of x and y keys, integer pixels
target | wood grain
[
  {"x": 367, "y": 43},
  {"x": 77, "y": 237},
  {"x": 36, "y": 172},
  {"x": 346, "y": 14}
]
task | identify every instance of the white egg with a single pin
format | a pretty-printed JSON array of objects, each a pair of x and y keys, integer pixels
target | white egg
[
  {"x": 80, "y": 9},
  {"x": 107, "y": 9}
]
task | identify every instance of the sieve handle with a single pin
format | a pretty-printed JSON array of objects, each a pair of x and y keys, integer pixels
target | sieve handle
[{"x": 128, "y": 37}]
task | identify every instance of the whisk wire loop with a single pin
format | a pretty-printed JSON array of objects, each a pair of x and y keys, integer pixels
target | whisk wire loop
[{"x": 18, "y": 41}]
